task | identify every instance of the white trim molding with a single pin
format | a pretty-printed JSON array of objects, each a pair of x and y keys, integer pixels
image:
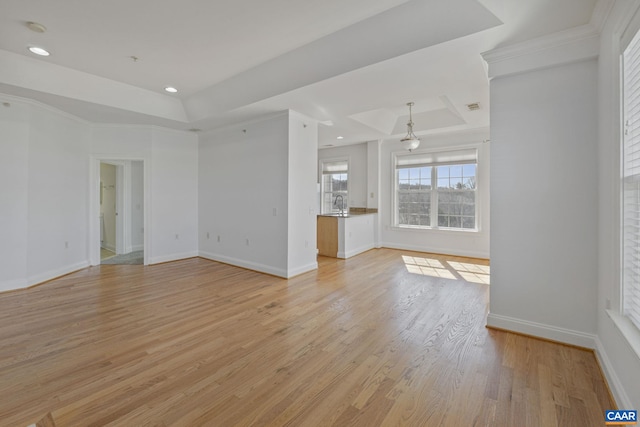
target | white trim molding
[
  {"x": 10, "y": 285},
  {"x": 619, "y": 394},
  {"x": 261, "y": 268},
  {"x": 58, "y": 272},
  {"x": 356, "y": 251},
  {"x": 172, "y": 257},
  {"x": 301, "y": 270},
  {"x": 564, "y": 47},
  {"x": 541, "y": 330},
  {"x": 435, "y": 250},
  {"x": 601, "y": 13}
]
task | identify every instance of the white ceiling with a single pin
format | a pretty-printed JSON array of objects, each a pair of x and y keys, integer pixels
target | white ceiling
[{"x": 351, "y": 63}]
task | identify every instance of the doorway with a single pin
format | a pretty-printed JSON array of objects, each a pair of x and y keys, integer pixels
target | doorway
[{"x": 121, "y": 202}]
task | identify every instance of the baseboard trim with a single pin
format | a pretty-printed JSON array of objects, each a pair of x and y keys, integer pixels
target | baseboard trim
[
  {"x": 53, "y": 274},
  {"x": 172, "y": 257},
  {"x": 616, "y": 389},
  {"x": 553, "y": 333},
  {"x": 12, "y": 285},
  {"x": 137, "y": 248},
  {"x": 354, "y": 252},
  {"x": 433, "y": 250},
  {"x": 108, "y": 247},
  {"x": 261, "y": 268},
  {"x": 301, "y": 270}
]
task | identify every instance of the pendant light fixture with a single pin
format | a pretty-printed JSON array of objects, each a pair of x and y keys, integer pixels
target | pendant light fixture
[{"x": 411, "y": 141}]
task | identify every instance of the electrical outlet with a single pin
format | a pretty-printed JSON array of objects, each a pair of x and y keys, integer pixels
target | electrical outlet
[
  {"x": 207, "y": 234},
  {"x": 306, "y": 243},
  {"x": 218, "y": 238},
  {"x": 247, "y": 241},
  {"x": 66, "y": 245},
  {"x": 608, "y": 304},
  {"x": 177, "y": 236},
  {"x": 275, "y": 211}
]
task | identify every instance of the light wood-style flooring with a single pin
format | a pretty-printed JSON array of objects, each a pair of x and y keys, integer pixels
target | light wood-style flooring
[{"x": 383, "y": 339}]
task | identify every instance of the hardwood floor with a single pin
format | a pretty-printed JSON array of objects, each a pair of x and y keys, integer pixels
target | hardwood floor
[{"x": 386, "y": 338}]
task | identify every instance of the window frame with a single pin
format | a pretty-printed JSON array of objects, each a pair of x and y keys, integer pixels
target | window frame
[
  {"x": 434, "y": 190},
  {"x": 321, "y": 168},
  {"x": 631, "y": 35}
]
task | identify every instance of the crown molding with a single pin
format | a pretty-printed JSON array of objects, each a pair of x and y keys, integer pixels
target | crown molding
[
  {"x": 4, "y": 97},
  {"x": 601, "y": 13},
  {"x": 564, "y": 47}
]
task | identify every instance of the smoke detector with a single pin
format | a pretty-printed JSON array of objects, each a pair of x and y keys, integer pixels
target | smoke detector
[{"x": 35, "y": 27}]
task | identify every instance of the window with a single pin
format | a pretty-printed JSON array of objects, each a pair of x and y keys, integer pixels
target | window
[
  {"x": 335, "y": 180},
  {"x": 436, "y": 190},
  {"x": 631, "y": 181}
]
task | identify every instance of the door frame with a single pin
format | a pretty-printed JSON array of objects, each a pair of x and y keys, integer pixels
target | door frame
[{"x": 123, "y": 204}]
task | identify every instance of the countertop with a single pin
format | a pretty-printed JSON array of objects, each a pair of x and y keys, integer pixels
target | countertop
[{"x": 350, "y": 214}]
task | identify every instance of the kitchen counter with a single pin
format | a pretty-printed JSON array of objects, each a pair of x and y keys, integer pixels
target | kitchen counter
[
  {"x": 350, "y": 214},
  {"x": 343, "y": 236}
]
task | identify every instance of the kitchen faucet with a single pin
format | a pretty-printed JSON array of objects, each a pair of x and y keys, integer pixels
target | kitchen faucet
[{"x": 335, "y": 203}]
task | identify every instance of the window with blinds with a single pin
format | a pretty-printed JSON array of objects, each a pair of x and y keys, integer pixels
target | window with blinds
[
  {"x": 631, "y": 181},
  {"x": 335, "y": 186},
  {"x": 436, "y": 190}
]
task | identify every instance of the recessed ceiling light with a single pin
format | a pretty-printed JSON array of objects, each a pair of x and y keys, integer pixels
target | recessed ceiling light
[
  {"x": 39, "y": 51},
  {"x": 340, "y": 137},
  {"x": 171, "y": 89}
]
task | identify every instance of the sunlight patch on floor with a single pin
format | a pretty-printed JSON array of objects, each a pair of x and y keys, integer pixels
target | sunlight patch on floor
[
  {"x": 475, "y": 273},
  {"x": 427, "y": 267},
  {"x": 454, "y": 270}
]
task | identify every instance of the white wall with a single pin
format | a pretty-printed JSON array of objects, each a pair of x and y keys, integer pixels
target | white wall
[
  {"x": 137, "y": 205},
  {"x": 174, "y": 195},
  {"x": 302, "y": 193},
  {"x": 243, "y": 183},
  {"x": 57, "y": 191},
  {"x": 357, "y": 155},
  {"x": 47, "y": 210},
  {"x": 44, "y": 219},
  {"x": 544, "y": 201},
  {"x": 170, "y": 179},
  {"x": 14, "y": 146},
  {"x": 463, "y": 243},
  {"x": 258, "y": 194},
  {"x": 620, "y": 363},
  {"x": 373, "y": 176}
]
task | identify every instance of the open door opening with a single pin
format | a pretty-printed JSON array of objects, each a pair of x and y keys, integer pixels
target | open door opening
[{"x": 121, "y": 207}]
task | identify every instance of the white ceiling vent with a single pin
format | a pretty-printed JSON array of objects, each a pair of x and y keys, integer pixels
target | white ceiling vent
[{"x": 473, "y": 106}]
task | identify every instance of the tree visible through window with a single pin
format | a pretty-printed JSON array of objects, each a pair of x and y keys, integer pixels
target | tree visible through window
[{"x": 457, "y": 196}]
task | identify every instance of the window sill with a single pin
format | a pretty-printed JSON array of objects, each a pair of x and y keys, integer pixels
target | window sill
[
  {"x": 434, "y": 230},
  {"x": 627, "y": 329}
]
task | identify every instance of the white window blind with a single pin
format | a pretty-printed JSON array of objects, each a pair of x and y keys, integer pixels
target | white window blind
[
  {"x": 631, "y": 181},
  {"x": 457, "y": 157},
  {"x": 335, "y": 167}
]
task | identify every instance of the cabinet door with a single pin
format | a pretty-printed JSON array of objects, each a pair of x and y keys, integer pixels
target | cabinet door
[{"x": 327, "y": 236}]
